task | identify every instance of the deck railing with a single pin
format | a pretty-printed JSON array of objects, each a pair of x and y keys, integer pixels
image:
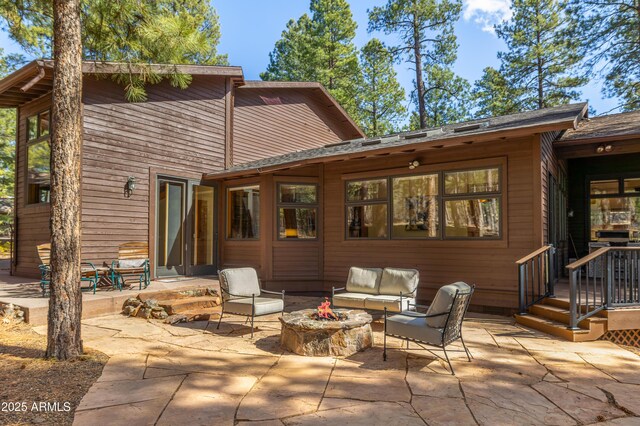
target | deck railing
[
  {"x": 606, "y": 278},
  {"x": 536, "y": 276}
]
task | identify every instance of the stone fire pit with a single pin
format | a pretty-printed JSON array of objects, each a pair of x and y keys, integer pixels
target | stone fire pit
[{"x": 304, "y": 335}]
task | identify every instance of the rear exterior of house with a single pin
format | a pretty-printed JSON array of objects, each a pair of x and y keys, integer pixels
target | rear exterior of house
[
  {"x": 164, "y": 145},
  {"x": 277, "y": 176}
]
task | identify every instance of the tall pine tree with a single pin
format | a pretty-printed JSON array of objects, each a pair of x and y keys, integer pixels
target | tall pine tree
[
  {"x": 380, "y": 96},
  {"x": 320, "y": 48},
  {"x": 543, "y": 57},
  {"x": 493, "y": 95},
  {"x": 132, "y": 31},
  {"x": 427, "y": 40},
  {"x": 613, "y": 46}
]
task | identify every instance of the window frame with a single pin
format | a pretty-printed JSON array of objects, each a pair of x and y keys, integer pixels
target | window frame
[
  {"x": 620, "y": 177},
  {"x": 440, "y": 170},
  {"x": 228, "y": 211},
  {"x": 279, "y": 204},
  {"x": 473, "y": 196},
  {"x": 357, "y": 203},
  {"x": 28, "y": 144}
]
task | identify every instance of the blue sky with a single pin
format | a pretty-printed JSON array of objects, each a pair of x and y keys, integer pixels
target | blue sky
[{"x": 250, "y": 29}]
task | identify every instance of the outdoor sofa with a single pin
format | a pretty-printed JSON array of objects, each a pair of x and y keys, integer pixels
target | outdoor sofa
[{"x": 376, "y": 289}]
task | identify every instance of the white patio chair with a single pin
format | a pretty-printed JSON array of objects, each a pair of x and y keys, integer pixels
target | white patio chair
[
  {"x": 242, "y": 295},
  {"x": 439, "y": 326}
]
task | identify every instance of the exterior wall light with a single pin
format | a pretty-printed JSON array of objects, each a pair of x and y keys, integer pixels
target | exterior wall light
[
  {"x": 413, "y": 164},
  {"x": 129, "y": 186},
  {"x": 604, "y": 148}
]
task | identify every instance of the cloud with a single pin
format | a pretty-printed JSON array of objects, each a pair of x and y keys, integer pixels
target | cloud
[{"x": 487, "y": 13}]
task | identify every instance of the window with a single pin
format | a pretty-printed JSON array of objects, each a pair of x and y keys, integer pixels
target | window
[
  {"x": 444, "y": 205},
  {"x": 615, "y": 205},
  {"x": 467, "y": 214},
  {"x": 297, "y": 206},
  {"x": 38, "y": 158},
  {"x": 243, "y": 207},
  {"x": 415, "y": 207},
  {"x": 367, "y": 205}
]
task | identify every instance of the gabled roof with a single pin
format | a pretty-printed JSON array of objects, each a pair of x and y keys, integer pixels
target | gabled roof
[
  {"x": 625, "y": 125},
  {"x": 514, "y": 125},
  {"x": 36, "y": 78},
  {"x": 325, "y": 98}
]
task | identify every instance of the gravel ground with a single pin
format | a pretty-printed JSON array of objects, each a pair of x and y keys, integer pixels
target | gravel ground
[{"x": 35, "y": 390}]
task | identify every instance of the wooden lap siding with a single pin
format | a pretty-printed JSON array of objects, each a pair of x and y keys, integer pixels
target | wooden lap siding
[
  {"x": 549, "y": 164},
  {"x": 177, "y": 131},
  {"x": 32, "y": 220},
  {"x": 488, "y": 264},
  {"x": 264, "y": 130}
]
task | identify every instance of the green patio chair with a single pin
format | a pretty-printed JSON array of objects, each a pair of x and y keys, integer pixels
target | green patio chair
[
  {"x": 133, "y": 262},
  {"x": 89, "y": 273}
]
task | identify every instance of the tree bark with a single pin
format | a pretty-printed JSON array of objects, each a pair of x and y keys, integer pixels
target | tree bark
[
  {"x": 65, "y": 303},
  {"x": 417, "y": 52}
]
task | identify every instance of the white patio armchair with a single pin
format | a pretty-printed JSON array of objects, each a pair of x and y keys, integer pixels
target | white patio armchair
[
  {"x": 242, "y": 295},
  {"x": 440, "y": 326}
]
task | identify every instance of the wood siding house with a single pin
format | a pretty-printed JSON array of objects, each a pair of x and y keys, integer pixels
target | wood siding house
[
  {"x": 278, "y": 177},
  {"x": 165, "y": 144}
]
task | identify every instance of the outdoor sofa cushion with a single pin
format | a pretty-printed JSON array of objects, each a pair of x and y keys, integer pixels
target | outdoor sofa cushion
[
  {"x": 263, "y": 306},
  {"x": 239, "y": 282},
  {"x": 392, "y": 303},
  {"x": 443, "y": 301},
  {"x": 413, "y": 327},
  {"x": 350, "y": 300},
  {"x": 364, "y": 280},
  {"x": 131, "y": 263},
  {"x": 395, "y": 281}
]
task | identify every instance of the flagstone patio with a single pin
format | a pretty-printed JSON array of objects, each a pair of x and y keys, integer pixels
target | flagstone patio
[{"x": 193, "y": 374}]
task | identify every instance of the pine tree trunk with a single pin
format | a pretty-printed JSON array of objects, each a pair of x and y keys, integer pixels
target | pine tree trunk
[
  {"x": 65, "y": 304},
  {"x": 417, "y": 52}
]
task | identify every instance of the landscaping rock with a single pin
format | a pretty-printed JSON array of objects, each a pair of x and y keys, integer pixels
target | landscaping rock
[
  {"x": 174, "y": 319},
  {"x": 159, "y": 314},
  {"x": 11, "y": 313}
]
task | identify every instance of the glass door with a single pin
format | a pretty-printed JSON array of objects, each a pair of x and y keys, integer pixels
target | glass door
[
  {"x": 170, "y": 232},
  {"x": 203, "y": 230}
]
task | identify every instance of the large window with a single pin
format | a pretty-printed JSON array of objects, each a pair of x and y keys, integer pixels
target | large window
[
  {"x": 472, "y": 203},
  {"x": 38, "y": 158},
  {"x": 367, "y": 205},
  {"x": 443, "y": 205},
  {"x": 297, "y": 211},
  {"x": 243, "y": 214},
  {"x": 615, "y": 205}
]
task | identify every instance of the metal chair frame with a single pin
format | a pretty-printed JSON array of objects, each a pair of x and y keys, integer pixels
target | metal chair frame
[{"x": 449, "y": 335}]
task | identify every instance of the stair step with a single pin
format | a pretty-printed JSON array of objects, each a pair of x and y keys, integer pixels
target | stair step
[
  {"x": 204, "y": 314},
  {"x": 554, "y": 328},
  {"x": 562, "y": 315},
  {"x": 180, "y": 305},
  {"x": 553, "y": 301},
  {"x": 183, "y": 293}
]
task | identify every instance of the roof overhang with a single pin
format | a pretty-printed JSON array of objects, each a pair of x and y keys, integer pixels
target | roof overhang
[
  {"x": 36, "y": 78},
  {"x": 417, "y": 145}
]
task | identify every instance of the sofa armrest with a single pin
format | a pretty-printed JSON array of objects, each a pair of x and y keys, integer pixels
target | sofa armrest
[{"x": 336, "y": 289}]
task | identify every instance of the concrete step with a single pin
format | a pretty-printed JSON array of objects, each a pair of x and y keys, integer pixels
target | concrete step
[
  {"x": 184, "y": 304},
  {"x": 595, "y": 331}
]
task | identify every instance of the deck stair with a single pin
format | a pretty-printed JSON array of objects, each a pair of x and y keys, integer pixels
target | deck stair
[{"x": 551, "y": 316}]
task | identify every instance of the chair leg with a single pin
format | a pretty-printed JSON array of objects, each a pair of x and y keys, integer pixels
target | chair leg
[
  {"x": 384, "y": 338},
  {"x": 220, "y": 319},
  {"x": 448, "y": 361},
  {"x": 252, "y": 315},
  {"x": 469, "y": 356}
]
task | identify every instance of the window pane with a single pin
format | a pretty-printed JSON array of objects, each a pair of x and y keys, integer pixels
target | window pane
[
  {"x": 367, "y": 190},
  {"x": 632, "y": 185},
  {"x": 297, "y": 223},
  {"x": 415, "y": 207},
  {"x": 244, "y": 212},
  {"x": 32, "y": 127},
  {"x": 38, "y": 172},
  {"x": 305, "y": 194},
  {"x": 474, "y": 218},
  {"x": 472, "y": 181},
  {"x": 44, "y": 123},
  {"x": 368, "y": 221},
  {"x": 610, "y": 186},
  {"x": 616, "y": 214}
]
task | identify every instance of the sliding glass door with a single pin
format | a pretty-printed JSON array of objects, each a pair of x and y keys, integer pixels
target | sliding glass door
[{"x": 186, "y": 231}]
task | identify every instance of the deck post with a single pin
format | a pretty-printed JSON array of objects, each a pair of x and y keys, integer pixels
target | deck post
[
  {"x": 608, "y": 286},
  {"x": 573, "y": 302},
  {"x": 522, "y": 290}
]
